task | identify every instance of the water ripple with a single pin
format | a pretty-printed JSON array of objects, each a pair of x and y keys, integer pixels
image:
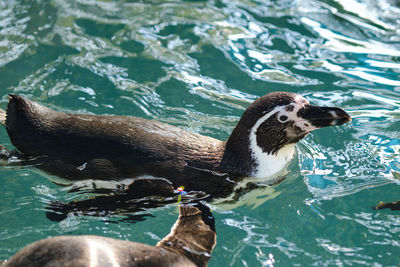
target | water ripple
[{"x": 198, "y": 65}]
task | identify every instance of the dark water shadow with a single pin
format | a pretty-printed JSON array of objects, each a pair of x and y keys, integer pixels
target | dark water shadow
[
  {"x": 30, "y": 61},
  {"x": 213, "y": 63},
  {"x": 139, "y": 69},
  {"x": 131, "y": 204},
  {"x": 184, "y": 31},
  {"x": 43, "y": 16},
  {"x": 132, "y": 46},
  {"x": 134, "y": 202},
  {"x": 175, "y": 93},
  {"x": 93, "y": 28}
]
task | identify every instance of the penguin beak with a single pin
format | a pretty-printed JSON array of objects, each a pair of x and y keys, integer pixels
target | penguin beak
[{"x": 320, "y": 117}]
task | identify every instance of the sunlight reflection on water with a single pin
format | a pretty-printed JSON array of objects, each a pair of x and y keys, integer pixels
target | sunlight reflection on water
[{"x": 198, "y": 65}]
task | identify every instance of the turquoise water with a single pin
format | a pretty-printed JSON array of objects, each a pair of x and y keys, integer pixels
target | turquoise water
[{"x": 198, "y": 65}]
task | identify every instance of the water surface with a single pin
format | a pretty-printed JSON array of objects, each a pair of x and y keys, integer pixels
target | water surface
[{"x": 198, "y": 65}]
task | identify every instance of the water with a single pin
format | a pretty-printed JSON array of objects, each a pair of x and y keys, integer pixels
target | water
[{"x": 198, "y": 65}]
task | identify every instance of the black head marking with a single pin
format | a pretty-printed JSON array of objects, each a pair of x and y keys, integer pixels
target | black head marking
[{"x": 273, "y": 133}]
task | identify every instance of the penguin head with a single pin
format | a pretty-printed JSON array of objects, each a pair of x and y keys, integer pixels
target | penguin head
[
  {"x": 263, "y": 140},
  {"x": 282, "y": 118}
]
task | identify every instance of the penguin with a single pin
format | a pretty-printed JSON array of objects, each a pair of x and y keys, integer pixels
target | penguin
[
  {"x": 395, "y": 205},
  {"x": 82, "y": 146},
  {"x": 190, "y": 243}
]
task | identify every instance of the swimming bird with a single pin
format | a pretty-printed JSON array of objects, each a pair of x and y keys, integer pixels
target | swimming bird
[
  {"x": 80, "y": 146},
  {"x": 190, "y": 243}
]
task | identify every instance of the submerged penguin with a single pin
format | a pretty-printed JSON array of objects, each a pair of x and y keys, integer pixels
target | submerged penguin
[
  {"x": 395, "y": 205},
  {"x": 190, "y": 243},
  {"x": 78, "y": 146}
]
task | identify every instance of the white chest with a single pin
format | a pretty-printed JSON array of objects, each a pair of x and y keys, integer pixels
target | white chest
[{"x": 269, "y": 165}]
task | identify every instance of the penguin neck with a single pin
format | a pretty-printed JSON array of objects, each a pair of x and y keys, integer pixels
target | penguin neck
[
  {"x": 243, "y": 156},
  {"x": 249, "y": 159},
  {"x": 237, "y": 159}
]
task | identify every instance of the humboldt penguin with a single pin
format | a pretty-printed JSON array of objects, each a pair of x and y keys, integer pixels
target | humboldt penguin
[
  {"x": 82, "y": 146},
  {"x": 190, "y": 242}
]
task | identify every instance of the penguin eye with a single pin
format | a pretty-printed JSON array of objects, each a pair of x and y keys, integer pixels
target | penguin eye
[{"x": 283, "y": 118}]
